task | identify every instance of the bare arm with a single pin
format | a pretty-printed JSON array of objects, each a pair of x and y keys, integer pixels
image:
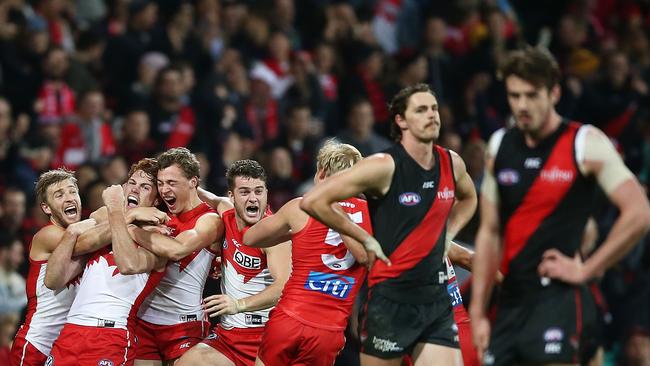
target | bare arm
[
  {"x": 273, "y": 229},
  {"x": 129, "y": 258},
  {"x": 460, "y": 256},
  {"x": 61, "y": 265},
  {"x": 93, "y": 239},
  {"x": 220, "y": 204},
  {"x": 208, "y": 229},
  {"x": 466, "y": 201},
  {"x": 371, "y": 175}
]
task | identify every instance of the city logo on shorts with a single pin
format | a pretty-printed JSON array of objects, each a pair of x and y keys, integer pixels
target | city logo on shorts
[
  {"x": 329, "y": 283},
  {"x": 409, "y": 199},
  {"x": 508, "y": 177},
  {"x": 105, "y": 362}
]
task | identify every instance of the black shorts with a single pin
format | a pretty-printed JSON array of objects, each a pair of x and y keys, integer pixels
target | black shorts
[
  {"x": 554, "y": 329},
  {"x": 390, "y": 329}
]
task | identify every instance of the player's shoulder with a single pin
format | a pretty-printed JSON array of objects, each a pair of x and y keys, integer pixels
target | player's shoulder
[{"x": 48, "y": 233}]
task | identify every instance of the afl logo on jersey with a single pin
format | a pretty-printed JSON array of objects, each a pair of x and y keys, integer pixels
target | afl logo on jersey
[
  {"x": 508, "y": 177},
  {"x": 409, "y": 199}
]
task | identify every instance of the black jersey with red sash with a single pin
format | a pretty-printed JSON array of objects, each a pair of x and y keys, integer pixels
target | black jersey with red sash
[
  {"x": 544, "y": 203},
  {"x": 410, "y": 223}
]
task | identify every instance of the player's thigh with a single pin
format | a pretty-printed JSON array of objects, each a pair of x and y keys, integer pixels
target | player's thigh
[
  {"x": 369, "y": 360},
  {"x": 202, "y": 354},
  {"x": 147, "y": 363},
  {"x": 428, "y": 354}
]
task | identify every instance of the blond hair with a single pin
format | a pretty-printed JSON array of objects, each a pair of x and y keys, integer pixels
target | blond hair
[
  {"x": 52, "y": 177},
  {"x": 335, "y": 156}
]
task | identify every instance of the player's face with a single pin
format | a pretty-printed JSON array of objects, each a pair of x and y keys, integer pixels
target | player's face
[
  {"x": 531, "y": 106},
  {"x": 249, "y": 196},
  {"x": 421, "y": 117},
  {"x": 63, "y": 203},
  {"x": 174, "y": 188},
  {"x": 140, "y": 190}
]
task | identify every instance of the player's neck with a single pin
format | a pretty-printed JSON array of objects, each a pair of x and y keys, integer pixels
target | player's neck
[
  {"x": 549, "y": 127},
  {"x": 191, "y": 203},
  {"x": 420, "y": 151}
]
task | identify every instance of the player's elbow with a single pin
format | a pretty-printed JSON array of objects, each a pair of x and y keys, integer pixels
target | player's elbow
[
  {"x": 308, "y": 203},
  {"x": 52, "y": 283},
  {"x": 644, "y": 218},
  {"x": 175, "y": 255}
]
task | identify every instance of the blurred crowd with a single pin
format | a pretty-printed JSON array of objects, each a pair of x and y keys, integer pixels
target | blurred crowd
[{"x": 96, "y": 85}]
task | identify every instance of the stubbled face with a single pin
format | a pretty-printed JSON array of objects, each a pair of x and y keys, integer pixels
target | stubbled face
[
  {"x": 63, "y": 203},
  {"x": 174, "y": 188},
  {"x": 421, "y": 117},
  {"x": 249, "y": 196},
  {"x": 531, "y": 106},
  {"x": 140, "y": 190}
]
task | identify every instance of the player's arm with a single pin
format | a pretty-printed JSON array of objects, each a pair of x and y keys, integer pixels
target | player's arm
[
  {"x": 465, "y": 203},
  {"x": 487, "y": 256},
  {"x": 61, "y": 265},
  {"x": 460, "y": 256},
  {"x": 278, "y": 259},
  {"x": 624, "y": 191},
  {"x": 371, "y": 175},
  {"x": 208, "y": 229},
  {"x": 218, "y": 203},
  {"x": 129, "y": 257},
  {"x": 274, "y": 229}
]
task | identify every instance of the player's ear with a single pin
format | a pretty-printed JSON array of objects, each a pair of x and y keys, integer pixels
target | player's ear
[
  {"x": 46, "y": 208},
  {"x": 194, "y": 182},
  {"x": 556, "y": 93},
  {"x": 400, "y": 121}
]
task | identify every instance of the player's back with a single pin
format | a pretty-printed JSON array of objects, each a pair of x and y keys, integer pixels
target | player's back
[
  {"x": 325, "y": 277},
  {"x": 179, "y": 295}
]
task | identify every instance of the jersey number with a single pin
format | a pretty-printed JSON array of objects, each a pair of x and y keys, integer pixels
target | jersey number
[{"x": 333, "y": 238}]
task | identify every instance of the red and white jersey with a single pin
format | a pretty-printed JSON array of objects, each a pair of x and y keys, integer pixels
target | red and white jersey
[
  {"x": 178, "y": 297},
  {"x": 47, "y": 310},
  {"x": 325, "y": 277},
  {"x": 107, "y": 298},
  {"x": 244, "y": 273}
]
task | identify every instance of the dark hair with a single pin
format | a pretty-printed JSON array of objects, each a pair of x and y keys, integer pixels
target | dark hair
[
  {"x": 148, "y": 165},
  {"x": 535, "y": 65},
  {"x": 399, "y": 103},
  {"x": 244, "y": 168},
  {"x": 182, "y": 157},
  {"x": 52, "y": 177}
]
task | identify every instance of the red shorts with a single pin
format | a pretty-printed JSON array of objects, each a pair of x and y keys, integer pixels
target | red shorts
[
  {"x": 24, "y": 353},
  {"x": 167, "y": 342},
  {"x": 239, "y": 345},
  {"x": 290, "y": 342},
  {"x": 93, "y": 346}
]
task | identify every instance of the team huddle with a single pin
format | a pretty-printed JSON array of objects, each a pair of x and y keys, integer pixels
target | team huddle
[{"x": 126, "y": 285}]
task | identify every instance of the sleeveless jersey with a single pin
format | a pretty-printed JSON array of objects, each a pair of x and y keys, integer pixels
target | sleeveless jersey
[
  {"x": 107, "y": 298},
  {"x": 178, "y": 297},
  {"x": 46, "y": 309},
  {"x": 244, "y": 273},
  {"x": 544, "y": 203},
  {"x": 325, "y": 277},
  {"x": 410, "y": 223}
]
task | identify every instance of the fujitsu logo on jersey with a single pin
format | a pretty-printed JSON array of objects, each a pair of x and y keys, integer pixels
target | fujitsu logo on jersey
[
  {"x": 329, "y": 283},
  {"x": 556, "y": 174},
  {"x": 446, "y": 194},
  {"x": 247, "y": 261},
  {"x": 347, "y": 204}
]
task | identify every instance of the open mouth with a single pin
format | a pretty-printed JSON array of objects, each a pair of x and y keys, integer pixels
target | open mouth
[
  {"x": 132, "y": 201},
  {"x": 252, "y": 211},
  {"x": 70, "y": 211},
  {"x": 170, "y": 201}
]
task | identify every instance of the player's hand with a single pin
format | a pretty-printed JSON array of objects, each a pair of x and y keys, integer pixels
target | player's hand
[
  {"x": 374, "y": 248},
  {"x": 149, "y": 215},
  {"x": 561, "y": 267},
  {"x": 216, "y": 305},
  {"x": 480, "y": 334},
  {"x": 100, "y": 215},
  {"x": 215, "y": 271},
  {"x": 113, "y": 197},
  {"x": 160, "y": 229},
  {"x": 80, "y": 227}
]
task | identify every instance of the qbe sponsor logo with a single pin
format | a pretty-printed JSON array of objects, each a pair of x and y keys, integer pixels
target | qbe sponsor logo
[
  {"x": 329, "y": 283},
  {"x": 247, "y": 261},
  {"x": 409, "y": 199}
]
